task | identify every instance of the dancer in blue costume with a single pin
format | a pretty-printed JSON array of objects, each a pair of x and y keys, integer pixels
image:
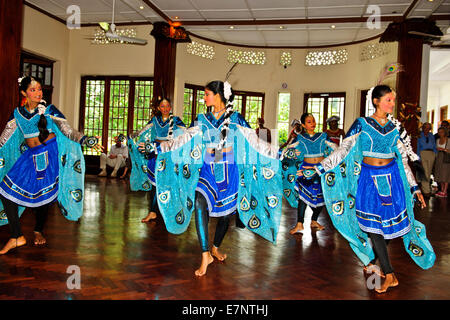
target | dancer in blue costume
[
  {"x": 369, "y": 189},
  {"x": 310, "y": 148},
  {"x": 218, "y": 166},
  {"x": 40, "y": 161},
  {"x": 162, "y": 127}
]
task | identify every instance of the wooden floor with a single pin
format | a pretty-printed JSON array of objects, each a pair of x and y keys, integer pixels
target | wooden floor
[{"x": 121, "y": 258}]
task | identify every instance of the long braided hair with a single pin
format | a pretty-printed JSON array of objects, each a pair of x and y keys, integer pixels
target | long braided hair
[
  {"x": 42, "y": 124},
  {"x": 227, "y": 96},
  {"x": 171, "y": 117}
]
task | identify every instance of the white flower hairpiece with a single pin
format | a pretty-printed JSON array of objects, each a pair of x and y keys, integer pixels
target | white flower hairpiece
[
  {"x": 369, "y": 97},
  {"x": 21, "y": 78},
  {"x": 227, "y": 90},
  {"x": 41, "y": 107}
]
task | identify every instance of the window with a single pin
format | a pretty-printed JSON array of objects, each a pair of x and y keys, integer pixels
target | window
[
  {"x": 39, "y": 68},
  {"x": 284, "y": 102},
  {"x": 325, "y": 105},
  {"x": 113, "y": 105},
  {"x": 193, "y": 102},
  {"x": 366, "y": 108},
  {"x": 249, "y": 104}
]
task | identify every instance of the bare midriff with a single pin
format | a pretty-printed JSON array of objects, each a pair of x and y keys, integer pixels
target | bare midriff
[
  {"x": 376, "y": 161},
  {"x": 34, "y": 142},
  {"x": 313, "y": 160}
]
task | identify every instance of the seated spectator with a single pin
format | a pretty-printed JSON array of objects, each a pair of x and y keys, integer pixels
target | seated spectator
[{"x": 116, "y": 158}]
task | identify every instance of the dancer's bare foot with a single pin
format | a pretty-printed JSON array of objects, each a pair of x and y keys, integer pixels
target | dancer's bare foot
[
  {"x": 150, "y": 216},
  {"x": 390, "y": 281},
  {"x": 215, "y": 252},
  {"x": 298, "y": 227},
  {"x": 13, "y": 243},
  {"x": 373, "y": 268},
  {"x": 318, "y": 226},
  {"x": 206, "y": 260},
  {"x": 39, "y": 238}
]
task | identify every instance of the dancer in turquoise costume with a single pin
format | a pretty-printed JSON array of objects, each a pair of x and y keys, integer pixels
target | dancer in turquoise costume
[
  {"x": 216, "y": 167},
  {"x": 162, "y": 127},
  {"x": 40, "y": 161},
  {"x": 369, "y": 189},
  {"x": 306, "y": 151}
]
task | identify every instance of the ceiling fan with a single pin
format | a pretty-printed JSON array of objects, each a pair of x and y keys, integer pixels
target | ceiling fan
[
  {"x": 111, "y": 32},
  {"x": 439, "y": 39}
]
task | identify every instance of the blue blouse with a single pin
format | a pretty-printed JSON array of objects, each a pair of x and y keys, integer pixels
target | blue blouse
[
  {"x": 211, "y": 127},
  {"x": 160, "y": 128},
  {"x": 28, "y": 122},
  {"x": 377, "y": 141},
  {"x": 312, "y": 146}
]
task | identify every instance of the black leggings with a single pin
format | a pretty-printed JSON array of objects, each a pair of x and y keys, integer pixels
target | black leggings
[
  {"x": 301, "y": 211},
  {"x": 12, "y": 213},
  {"x": 152, "y": 200},
  {"x": 201, "y": 223},
  {"x": 381, "y": 253}
]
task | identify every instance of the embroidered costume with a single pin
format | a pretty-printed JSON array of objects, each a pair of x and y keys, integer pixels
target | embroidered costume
[
  {"x": 245, "y": 179},
  {"x": 306, "y": 187},
  {"x": 363, "y": 198},
  {"x": 33, "y": 177},
  {"x": 143, "y": 170}
]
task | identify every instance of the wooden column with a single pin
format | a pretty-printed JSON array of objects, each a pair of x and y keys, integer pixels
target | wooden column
[
  {"x": 408, "y": 86},
  {"x": 166, "y": 38},
  {"x": 410, "y": 46},
  {"x": 408, "y": 81},
  {"x": 11, "y": 16},
  {"x": 164, "y": 69}
]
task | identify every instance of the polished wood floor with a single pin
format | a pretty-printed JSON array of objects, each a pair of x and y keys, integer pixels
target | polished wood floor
[{"x": 121, "y": 258}]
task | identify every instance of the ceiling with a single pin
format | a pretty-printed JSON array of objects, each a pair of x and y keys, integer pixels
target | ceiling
[{"x": 267, "y": 23}]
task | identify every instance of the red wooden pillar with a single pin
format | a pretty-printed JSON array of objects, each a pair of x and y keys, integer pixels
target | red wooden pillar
[
  {"x": 11, "y": 16},
  {"x": 408, "y": 86},
  {"x": 410, "y": 48},
  {"x": 166, "y": 38}
]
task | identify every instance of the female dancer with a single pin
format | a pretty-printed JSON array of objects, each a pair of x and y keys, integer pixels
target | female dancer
[
  {"x": 310, "y": 148},
  {"x": 217, "y": 166},
  {"x": 39, "y": 164},
  {"x": 163, "y": 126},
  {"x": 372, "y": 163}
]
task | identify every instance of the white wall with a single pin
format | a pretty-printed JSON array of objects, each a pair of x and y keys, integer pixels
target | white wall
[
  {"x": 76, "y": 57},
  {"x": 438, "y": 96},
  {"x": 48, "y": 38},
  {"x": 350, "y": 77}
]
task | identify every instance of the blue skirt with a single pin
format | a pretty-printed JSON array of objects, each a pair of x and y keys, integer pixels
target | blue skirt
[
  {"x": 309, "y": 187},
  {"x": 33, "y": 179},
  {"x": 380, "y": 201},
  {"x": 219, "y": 183}
]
